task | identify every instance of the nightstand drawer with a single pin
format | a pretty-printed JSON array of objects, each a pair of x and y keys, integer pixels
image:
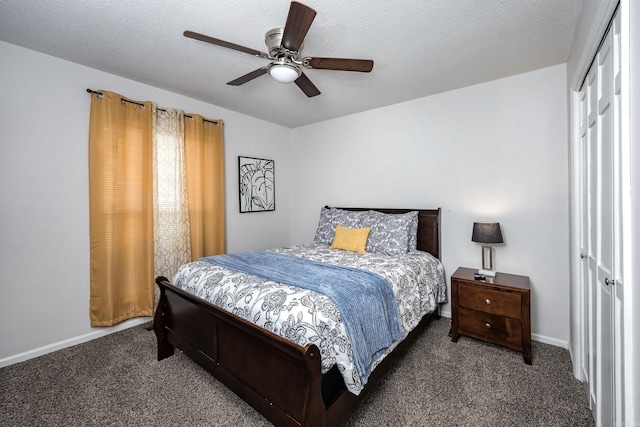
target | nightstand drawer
[
  {"x": 488, "y": 327},
  {"x": 480, "y": 298}
]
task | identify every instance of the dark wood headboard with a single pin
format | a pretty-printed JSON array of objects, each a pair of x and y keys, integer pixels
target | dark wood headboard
[{"x": 428, "y": 227}]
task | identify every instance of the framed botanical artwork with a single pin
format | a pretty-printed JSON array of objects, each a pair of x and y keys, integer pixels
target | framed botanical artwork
[{"x": 257, "y": 184}]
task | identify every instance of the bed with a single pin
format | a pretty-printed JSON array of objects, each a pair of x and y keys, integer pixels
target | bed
[{"x": 289, "y": 377}]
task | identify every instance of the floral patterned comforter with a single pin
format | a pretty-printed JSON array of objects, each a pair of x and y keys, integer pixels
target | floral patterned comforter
[{"x": 304, "y": 316}]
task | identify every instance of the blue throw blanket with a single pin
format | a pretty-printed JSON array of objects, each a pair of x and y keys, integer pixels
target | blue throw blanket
[{"x": 366, "y": 301}]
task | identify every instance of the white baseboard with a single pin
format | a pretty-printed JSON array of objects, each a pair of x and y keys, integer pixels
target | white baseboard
[
  {"x": 535, "y": 337},
  {"x": 551, "y": 341},
  {"x": 99, "y": 332}
]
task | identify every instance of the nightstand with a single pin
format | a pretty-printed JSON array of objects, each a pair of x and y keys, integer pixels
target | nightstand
[{"x": 496, "y": 310}]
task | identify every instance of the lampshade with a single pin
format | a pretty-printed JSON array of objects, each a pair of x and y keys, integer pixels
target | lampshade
[
  {"x": 486, "y": 232},
  {"x": 284, "y": 72}
]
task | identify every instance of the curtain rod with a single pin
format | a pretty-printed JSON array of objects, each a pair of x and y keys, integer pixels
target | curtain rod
[{"x": 123, "y": 100}]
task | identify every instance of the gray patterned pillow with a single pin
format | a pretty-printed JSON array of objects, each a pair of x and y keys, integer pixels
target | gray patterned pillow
[
  {"x": 413, "y": 230},
  {"x": 391, "y": 234},
  {"x": 330, "y": 218},
  {"x": 324, "y": 227}
]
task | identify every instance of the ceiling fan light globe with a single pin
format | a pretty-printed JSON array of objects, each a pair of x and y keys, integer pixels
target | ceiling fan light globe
[{"x": 284, "y": 73}]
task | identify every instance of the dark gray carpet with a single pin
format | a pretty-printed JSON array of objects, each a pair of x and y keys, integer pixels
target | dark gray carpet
[{"x": 116, "y": 381}]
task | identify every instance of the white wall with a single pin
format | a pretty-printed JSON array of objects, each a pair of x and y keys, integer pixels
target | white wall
[
  {"x": 494, "y": 151},
  {"x": 44, "y": 219}
]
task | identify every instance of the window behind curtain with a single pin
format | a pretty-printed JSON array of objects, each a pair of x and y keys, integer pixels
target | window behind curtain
[{"x": 172, "y": 237}]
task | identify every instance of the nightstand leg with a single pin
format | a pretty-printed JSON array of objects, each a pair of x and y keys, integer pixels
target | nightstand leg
[
  {"x": 526, "y": 353},
  {"x": 453, "y": 333}
]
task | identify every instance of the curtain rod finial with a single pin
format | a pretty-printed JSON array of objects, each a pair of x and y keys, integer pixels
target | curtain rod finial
[{"x": 98, "y": 94}]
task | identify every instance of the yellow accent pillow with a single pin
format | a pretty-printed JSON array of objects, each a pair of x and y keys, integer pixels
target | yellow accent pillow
[{"x": 351, "y": 239}]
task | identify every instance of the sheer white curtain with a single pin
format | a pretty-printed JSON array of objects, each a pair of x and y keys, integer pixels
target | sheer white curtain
[{"x": 172, "y": 241}]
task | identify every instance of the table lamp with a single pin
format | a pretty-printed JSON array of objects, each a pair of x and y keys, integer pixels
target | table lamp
[{"x": 487, "y": 232}]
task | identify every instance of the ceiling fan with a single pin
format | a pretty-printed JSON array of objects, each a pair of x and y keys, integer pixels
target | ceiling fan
[{"x": 285, "y": 53}]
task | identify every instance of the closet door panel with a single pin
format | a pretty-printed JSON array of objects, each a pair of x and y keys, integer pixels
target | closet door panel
[
  {"x": 620, "y": 154},
  {"x": 604, "y": 250},
  {"x": 585, "y": 313},
  {"x": 590, "y": 215}
]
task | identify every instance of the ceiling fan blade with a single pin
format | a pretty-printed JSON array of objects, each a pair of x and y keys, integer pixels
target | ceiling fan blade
[
  {"x": 298, "y": 23},
  {"x": 248, "y": 77},
  {"x": 339, "y": 64},
  {"x": 307, "y": 87},
  {"x": 213, "y": 40}
]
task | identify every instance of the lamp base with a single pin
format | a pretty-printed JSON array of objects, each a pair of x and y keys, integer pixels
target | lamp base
[{"x": 487, "y": 272}]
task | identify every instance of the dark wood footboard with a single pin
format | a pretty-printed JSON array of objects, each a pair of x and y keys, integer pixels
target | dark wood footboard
[{"x": 280, "y": 379}]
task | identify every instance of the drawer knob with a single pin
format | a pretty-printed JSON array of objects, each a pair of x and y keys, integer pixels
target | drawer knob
[
  {"x": 488, "y": 301},
  {"x": 487, "y": 325}
]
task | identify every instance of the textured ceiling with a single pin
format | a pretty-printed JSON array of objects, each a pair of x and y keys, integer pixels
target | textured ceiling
[{"x": 420, "y": 47}]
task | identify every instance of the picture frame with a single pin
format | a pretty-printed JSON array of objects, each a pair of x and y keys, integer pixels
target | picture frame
[{"x": 256, "y": 184}]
